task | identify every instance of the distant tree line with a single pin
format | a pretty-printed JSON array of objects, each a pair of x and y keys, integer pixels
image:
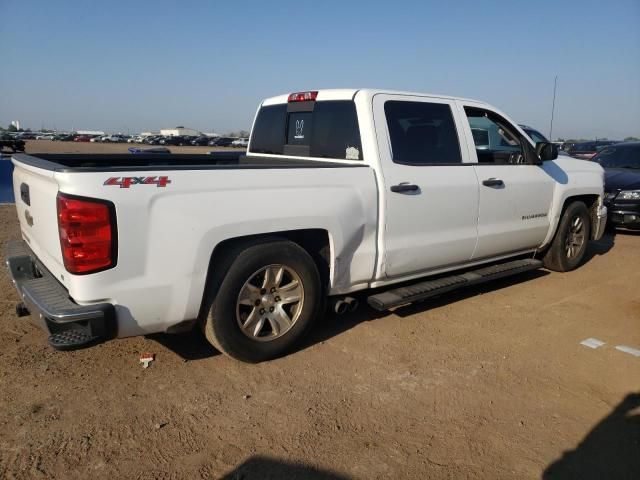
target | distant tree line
[
  {"x": 12, "y": 128},
  {"x": 240, "y": 134}
]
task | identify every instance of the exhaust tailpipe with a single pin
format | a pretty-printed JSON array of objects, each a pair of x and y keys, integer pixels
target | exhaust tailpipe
[
  {"x": 352, "y": 303},
  {"x": 340, "y": 307}
]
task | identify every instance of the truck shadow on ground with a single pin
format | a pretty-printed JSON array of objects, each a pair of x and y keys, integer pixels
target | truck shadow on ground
[
  {"x": 188, "y": 346},
  {"x": 601, "y": 247},
  {"x": 265, "y": 468},
  {"x": 332, "y": 325},
  {"x": 610, "y": 450},
  {"x": 193, "y": 346}
]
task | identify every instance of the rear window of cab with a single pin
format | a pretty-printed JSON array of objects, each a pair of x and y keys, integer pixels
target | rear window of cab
[{"x": 324, "y": 129}]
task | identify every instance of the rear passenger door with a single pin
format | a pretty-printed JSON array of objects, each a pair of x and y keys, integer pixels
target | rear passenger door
[{"x": 430, "y": 188}]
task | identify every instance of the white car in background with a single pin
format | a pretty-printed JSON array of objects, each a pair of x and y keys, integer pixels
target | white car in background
[
  {"x": 113, "y": 138},
  {"x": 47, "y": 136},
  {"x": 240, "y": 142}
]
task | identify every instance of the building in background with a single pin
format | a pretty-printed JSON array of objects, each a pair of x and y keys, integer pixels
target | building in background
[{"x": 182, "y": 131}]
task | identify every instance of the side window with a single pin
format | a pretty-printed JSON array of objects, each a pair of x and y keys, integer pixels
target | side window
[
  {"x": 495, "y": 139},
  {"x": 267, "y": 135},
  {"x": 335, "y": 132},
  {"x": 422, "y": 133}
]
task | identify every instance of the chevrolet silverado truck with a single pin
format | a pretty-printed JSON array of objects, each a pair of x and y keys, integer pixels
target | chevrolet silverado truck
[{"x": 403, "y": 195}]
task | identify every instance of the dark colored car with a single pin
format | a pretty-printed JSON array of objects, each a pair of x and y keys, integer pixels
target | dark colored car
[
  {"x": 13, "y": 144},
  {"x": 221, "y": 142},
  {"x": 27, "y": 136},
  {"x": 62, "y": 137},
  {"x": 82, "y": 138},
  {"x": 621, "y": 163},
  {"x": 587, "y": 150},
  {"x": 176, "y": 140},
  {"x": 153, "y": 140},
  {"x": 201, "y": 141},
  {"x": 172, "y": 140}
]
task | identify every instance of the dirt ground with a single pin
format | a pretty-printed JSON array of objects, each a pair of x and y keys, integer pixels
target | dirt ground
[{"x": 489, "y": 383}]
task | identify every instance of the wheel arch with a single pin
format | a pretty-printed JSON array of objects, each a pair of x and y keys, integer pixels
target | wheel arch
[
  {"x": 315, "y": 241},
  {"x": 591, "y": 200}
]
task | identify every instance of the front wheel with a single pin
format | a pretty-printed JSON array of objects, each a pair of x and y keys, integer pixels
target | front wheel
[
  {"x": 569, "y": 245},
  {"x": 266, "y": 302}
]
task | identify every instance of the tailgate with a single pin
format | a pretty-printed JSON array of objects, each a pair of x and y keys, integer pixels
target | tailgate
[{"x": 35, "y": 191}]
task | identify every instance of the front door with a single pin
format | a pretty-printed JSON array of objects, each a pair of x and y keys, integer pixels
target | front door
[
  {"x": 430, "y": 188},
  {"x": 515, "y": 194}
]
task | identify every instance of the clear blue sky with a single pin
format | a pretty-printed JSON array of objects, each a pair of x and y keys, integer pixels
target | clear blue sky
[{"x": 134, "y": 65}]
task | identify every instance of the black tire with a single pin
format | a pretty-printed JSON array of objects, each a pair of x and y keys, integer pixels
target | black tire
[
  {"x": 557, "y": 257},
  {"x": 221, "y": 325}
]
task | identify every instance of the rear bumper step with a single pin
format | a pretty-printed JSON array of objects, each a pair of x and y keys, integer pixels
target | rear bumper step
[
  {"x": 70, "y": 325},
  {"x": 432, "y": 288}
]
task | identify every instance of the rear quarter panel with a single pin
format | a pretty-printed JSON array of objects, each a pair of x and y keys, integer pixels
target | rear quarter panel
[{"x": 166, "y": 235}]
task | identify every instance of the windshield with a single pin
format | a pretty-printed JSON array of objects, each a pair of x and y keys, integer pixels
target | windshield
[{"x": 619, "y": 157}]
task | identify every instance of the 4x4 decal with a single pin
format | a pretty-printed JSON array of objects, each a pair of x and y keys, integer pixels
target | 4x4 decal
[{"x": 126, "y": 182}]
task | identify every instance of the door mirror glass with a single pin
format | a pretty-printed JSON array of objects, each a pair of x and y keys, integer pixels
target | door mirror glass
[{"x": 546, "y": 151}]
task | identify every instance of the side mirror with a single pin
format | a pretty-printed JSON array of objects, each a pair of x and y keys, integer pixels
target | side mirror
[{"x": 546, "y": 151}]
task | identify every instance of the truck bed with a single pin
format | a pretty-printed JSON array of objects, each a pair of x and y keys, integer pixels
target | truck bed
[{"x": 166, "y": 161}]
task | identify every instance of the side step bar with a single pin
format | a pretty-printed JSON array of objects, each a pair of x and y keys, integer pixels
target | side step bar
[{"x": 432, "y": 288}]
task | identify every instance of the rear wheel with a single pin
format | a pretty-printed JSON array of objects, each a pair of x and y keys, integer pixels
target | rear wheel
[
  {"x": 569, "y": 245},
  {"x": 266, "y": 302}
]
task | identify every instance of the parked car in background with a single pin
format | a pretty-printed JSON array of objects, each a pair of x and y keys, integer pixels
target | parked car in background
[
  {"x": 113, "y": 139},
  {"x": 173, "y": 140},
  {"x": 135, "y": 139},
  {"x": 536, "y": 136},
  {"x": 240, "y": 142},
  {"x": 62, "y": 137},
  {"x": 96, "y": 139},
  {"x": 201, "y": 141},
  {"x": 82, "y": 138},
  {"x": 26, "y": 136},
  {"x": 221, "y": 142},
  {"x": 621, "y": 163},
  {"x": 587, "y": 150},
  {"x": 45, "y": 136},
  {"x": 11, "y": 143},
  {"x": 153, "y": 139}
]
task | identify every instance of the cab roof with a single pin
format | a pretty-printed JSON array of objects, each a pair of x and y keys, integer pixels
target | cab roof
[{"x": 350, "y": 93}]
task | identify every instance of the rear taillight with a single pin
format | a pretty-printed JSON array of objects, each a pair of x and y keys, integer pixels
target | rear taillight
[
  {"x": 303, "y": 97},
  {"x": 87, "y": 234}
]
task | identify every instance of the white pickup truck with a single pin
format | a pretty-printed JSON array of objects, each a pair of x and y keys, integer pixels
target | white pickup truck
[{"x": 340, "y": 191}]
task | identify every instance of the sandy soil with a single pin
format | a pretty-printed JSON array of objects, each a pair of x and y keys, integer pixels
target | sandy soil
[{"x": 490, "y": 383}]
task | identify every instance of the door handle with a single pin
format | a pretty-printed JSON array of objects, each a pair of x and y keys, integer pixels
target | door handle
[
  {"x": 404, "y": 187},
  {"x": 493, "y": 182}
]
